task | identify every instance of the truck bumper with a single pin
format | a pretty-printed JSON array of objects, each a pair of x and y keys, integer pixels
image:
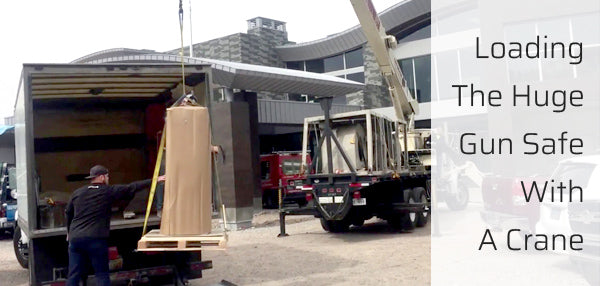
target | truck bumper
[
  {"x": 293, "y": 195},
  {"x": 144, "y": 275}
]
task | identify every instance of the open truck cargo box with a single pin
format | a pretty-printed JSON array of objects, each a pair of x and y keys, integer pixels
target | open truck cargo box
[{"x": 71, "y": 117}]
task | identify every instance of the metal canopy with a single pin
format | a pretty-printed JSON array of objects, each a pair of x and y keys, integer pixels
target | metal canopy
[{"x": 254, "y": 77}]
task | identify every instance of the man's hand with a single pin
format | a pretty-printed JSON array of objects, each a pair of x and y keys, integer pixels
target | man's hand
[{"x": 161, "y": 178}]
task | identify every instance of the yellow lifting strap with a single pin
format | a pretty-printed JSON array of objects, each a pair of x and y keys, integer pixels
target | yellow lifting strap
[{"x": 154, "y": 178}]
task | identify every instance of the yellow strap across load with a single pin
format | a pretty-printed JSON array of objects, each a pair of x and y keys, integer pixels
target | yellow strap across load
[{"x": 154, "y": 178}]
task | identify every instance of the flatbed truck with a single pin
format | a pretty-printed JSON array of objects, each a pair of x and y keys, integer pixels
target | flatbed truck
[{"x": 366, "y": 164}]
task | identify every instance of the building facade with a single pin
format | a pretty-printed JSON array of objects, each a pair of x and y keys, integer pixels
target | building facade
[{"x": 344, "y": 54}]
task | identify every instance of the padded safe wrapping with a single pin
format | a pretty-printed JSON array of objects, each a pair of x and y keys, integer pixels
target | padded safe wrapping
[{"x": 188, "y": 185}]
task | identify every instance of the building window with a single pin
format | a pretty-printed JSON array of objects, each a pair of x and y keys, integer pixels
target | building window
[
  {"x": 267, "y": 23},
  {"x": 354, "y": 58},
  {"x": 448, "y": 73},
  {"x": 420, "y": 34},
  {"x": 359, "y": 77},
  {"x": 417, "y": 73},
  {"x": 406, "y": 65},
  {"x": 422, "y": 68},
  {"x": 295, "y": 65},
  {"x": 334, "y": 63},
  {"x": 315, "y": 66}
]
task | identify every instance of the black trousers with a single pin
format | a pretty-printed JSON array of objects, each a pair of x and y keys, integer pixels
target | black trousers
[{"x": 84, "y": 252}]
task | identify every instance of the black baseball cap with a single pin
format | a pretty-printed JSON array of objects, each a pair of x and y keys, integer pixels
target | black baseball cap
[{"x": 96, "y": 171}]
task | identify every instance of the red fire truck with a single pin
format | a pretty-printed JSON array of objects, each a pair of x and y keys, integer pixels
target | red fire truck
[{"x": 282, "y": 170}]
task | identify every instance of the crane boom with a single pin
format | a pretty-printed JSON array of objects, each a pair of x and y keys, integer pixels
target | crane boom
[{"x": 404, "y": 103}]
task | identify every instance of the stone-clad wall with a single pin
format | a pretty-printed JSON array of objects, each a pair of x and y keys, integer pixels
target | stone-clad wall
[
  {"x": 257, "y": 47},
  {"x": 261, "y": 43},
  {"x": 227, "y": 48},
  {"x": 375, "y": 93}
]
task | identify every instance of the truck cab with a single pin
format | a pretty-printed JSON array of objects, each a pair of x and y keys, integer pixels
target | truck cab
[{"x": 282, "y": 170}]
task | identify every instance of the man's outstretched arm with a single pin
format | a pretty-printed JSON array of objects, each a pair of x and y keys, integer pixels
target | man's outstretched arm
[{"x": 120, "y": 192}]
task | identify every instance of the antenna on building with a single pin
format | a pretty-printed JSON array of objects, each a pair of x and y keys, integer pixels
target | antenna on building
[{"x": 191, "y": 41}]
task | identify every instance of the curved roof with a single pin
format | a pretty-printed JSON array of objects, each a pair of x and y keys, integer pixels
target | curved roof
[
  {"x": 401, "y": 16},
  {"x": 254, "y": 77},
  {"x": 110, "y": 53}
]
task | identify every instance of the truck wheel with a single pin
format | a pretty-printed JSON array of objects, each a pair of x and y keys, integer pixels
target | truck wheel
[
  {"x": 458, "y": 201},
  {"x": 270, "y": 199},
  {"x": 420, "y": 196},
  {"x": 324, "y": 224},
  {"x": 409, "y": 220},
  {"x": 335, "y": 226},
  {"x": 358, "y": 222},
  {"x": 21, "y": 251},
  {"x": 302, "y": 203},
  {"x": 402, "y": 222},
  {"x": 405, "y": 221}
]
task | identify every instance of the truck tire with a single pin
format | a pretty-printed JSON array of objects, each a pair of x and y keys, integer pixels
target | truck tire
[
  {"x": 420, "y": 196},
  {"x": 410, "y": 219},
  {"x": 402, "y": 222},
  {"x": 335, "y": 226},
  {"x": 358, "y": 222},
  {"x": 302, "y": 203},
  {"x": 270, "y": 199},
  {"x": 324, "y": 224},
  {"x": 405, "y": 221},
  {"x": 458, "y": 201},
  {"x": 21, "y": 251}
]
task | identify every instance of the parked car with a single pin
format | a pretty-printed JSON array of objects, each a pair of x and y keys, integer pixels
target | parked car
[
  {"x": 505, "y": 206},
  {"x": 583, "y": 218},
  {"x": 8, "y": 197},
  {"x": 282, "y": 170}
]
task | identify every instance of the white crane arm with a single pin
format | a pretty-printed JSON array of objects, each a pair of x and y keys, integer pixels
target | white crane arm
[{"x": 404, "y": 103}]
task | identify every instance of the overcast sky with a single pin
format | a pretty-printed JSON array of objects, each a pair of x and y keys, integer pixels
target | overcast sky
[{"x": 41, "y": 31}]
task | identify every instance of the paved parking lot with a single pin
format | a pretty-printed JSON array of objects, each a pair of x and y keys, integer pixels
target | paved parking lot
[
  {"x": 371, "y": 255},
  {"x": 11, "y": 272}
]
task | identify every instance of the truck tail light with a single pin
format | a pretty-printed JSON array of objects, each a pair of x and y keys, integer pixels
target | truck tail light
[
  {"x": 291, "y": 182},
  {"x": 309, "y": 197},
  {"x": 355, "y": 185},
  {"x": 356, "y": 195},
  {"x": 307, "y": 187}
]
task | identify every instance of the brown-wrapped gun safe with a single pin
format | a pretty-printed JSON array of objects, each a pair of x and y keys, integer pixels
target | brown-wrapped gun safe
[{"x": 188, "y": 185}]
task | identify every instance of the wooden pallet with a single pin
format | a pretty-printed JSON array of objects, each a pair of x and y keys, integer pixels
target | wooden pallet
[{"x": 154, "y": 241}]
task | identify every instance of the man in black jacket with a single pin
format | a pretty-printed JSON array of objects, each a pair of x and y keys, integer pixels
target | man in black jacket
[{"x": 88, "y": 223}]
